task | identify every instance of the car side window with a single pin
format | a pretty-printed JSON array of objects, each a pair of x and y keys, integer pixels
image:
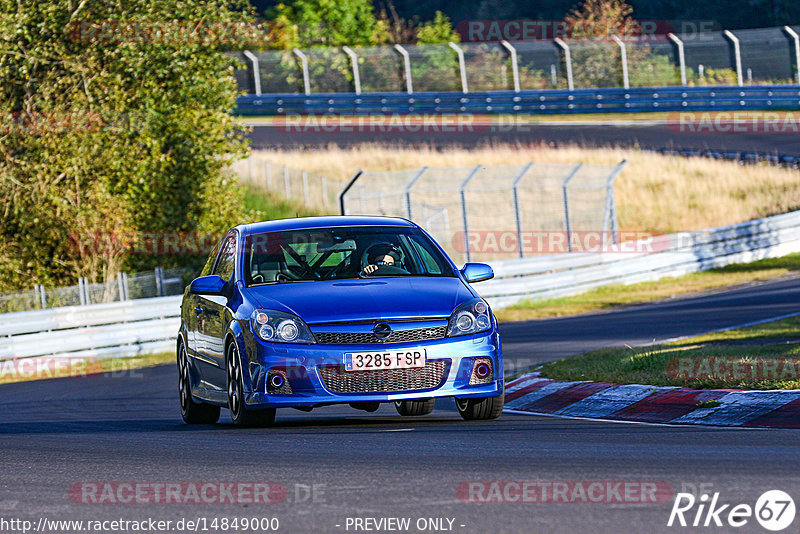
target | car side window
[
  {"x": 227, "y": 258},
  {"x": 430, "y": 264},
  {"x": 210, "y": 261}
]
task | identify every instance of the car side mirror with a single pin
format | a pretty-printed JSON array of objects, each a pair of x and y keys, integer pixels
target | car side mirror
[
  {"x": 208, "y": 285},
  {"x": 477, "y": 272}
]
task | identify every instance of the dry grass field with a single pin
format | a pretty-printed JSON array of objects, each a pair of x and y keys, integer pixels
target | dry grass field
[{"x": 654, "y": 193}]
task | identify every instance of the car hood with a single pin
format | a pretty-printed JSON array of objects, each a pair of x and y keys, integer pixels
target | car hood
[{"x": 366, "y": 299}]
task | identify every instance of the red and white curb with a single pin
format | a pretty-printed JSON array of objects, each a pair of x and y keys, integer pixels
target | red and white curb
[{"x": 602, "y": 400}]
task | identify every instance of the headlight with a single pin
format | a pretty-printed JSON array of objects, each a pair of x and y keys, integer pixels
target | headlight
[
  {"x": 470, "y": 318},
  {"x": 280, "y": 327}
]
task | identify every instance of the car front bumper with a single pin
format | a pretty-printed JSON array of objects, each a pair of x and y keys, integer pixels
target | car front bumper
[{"x": 309, "y": 368}]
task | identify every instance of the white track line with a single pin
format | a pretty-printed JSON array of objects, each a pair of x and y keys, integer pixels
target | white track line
[{"x": 645, "y": 423}]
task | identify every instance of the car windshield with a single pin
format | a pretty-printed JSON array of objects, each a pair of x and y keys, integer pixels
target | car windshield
[{"x": 339, "y": 253}]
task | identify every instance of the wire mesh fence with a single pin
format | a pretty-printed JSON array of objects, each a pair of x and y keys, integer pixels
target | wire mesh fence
[
  {"x": 757, "y": 56},
  {"x": 302, "y": 187},
  {"x": 158, "y": 283},
  {"x": 486, "y": 213}
]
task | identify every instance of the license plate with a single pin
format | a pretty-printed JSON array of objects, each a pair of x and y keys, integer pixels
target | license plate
[{"x": 390, "y": 359}]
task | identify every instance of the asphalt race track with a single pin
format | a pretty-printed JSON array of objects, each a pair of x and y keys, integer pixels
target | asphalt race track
[
  {"x": 126, "y": 428},
  {"x": 655, "y": 134}
]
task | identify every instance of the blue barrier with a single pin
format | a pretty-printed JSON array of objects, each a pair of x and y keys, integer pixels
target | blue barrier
[
  {"x": 742, "y": 158},
  {"x": 548, "y": 101}
]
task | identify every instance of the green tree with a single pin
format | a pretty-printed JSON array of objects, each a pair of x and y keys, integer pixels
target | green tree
[
  {"x": 307, "y": 23},
  {"x": 597, "y": 59},
  {"x": 112, "y": 130},
  {"x": 438, "y": 30}
]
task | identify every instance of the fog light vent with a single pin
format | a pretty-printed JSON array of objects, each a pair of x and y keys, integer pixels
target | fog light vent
[
  {"x": 482, "y": 372},
  {"x": 278, "y": 383}
]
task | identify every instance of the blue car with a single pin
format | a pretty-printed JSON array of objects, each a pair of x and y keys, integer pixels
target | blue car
[{"x": 308, "y": 312}]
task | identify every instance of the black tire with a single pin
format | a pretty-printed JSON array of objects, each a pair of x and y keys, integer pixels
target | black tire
[
  {"x": 481, "y": 409},
  {"x": 414, "y": 407},
  {"x": 240, "y": 415},
  {"x": 192, "y": 412}
]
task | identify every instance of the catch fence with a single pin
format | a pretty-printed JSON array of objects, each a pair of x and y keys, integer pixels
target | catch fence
[{"x": 485, "y": 213}]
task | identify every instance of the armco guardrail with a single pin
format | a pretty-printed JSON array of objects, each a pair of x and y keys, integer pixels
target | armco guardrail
[
  {"x": 543, "y": 101},
  {"x": 116, "y": 329},
  {"x": 681, "y": 253},
  {"x": 144, "y": 326}
]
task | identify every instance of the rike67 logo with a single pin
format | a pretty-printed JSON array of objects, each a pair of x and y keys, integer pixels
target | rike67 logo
[{"x": 774, "y": 510}]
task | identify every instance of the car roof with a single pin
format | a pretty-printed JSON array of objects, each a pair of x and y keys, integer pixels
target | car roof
[{"x": 306, "y": 223}]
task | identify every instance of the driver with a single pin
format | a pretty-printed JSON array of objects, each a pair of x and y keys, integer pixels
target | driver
[{"x": 384, "y": 256}]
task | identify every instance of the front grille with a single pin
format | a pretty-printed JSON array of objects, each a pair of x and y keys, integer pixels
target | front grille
[
  {"x": 337, "y": 380},
  {"x": 368, "y": 338}
]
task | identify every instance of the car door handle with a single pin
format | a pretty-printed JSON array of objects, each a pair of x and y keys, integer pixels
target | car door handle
[{"x": 198, "y": 310}]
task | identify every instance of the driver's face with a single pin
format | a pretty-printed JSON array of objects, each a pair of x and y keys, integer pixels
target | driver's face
[{"x": 386, "y": 260}]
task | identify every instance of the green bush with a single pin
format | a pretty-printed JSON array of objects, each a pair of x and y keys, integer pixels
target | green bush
[{"x": 108, "y": 136}]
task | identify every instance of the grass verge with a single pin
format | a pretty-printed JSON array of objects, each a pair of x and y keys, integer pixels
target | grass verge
[
  {"x": 765, "y": 356},
  {"x": 268, "y": 205},
  {"x": 13, "y": 371},
  {"x": 620, "y": 295}
]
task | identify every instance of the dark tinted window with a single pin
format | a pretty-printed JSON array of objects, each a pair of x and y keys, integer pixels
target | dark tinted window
[
  {"x": 210, "y": 261},
  {"x": 227, "y": 258}
]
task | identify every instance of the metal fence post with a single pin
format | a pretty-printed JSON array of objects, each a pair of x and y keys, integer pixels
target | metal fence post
[
  {"x": 83, "y": 292},
  {"x": 354, "y": 61},
  {"x": 42, "y": 297},
  {"x": 304, "y": 66},
  {"x": 256, "y": 72},
  {"x": 406, "y": 67},
  {"x": 462, "y": 191},
  {"x": 681, "y": 56},
  {"x": 796, "y": 39},
  {"x": 568, "y": 60},
  {"x": 120, "y": 288},
  {"x": 346, "y": 188},
  {"x": 159, "y": 275},
  {"x": 565, "y": 199},
  {"x": 737, "y": 53},
  {"x": 250, "y": 168},
  {"x": 125, "y": 285},
  {"x": 286, "y": 181},
  {"x": 514, "y": 67},
  {"x": 610, "y": 213},
  {"x": 624, "y": 57},
  {"x": 409, "y": 185},
  {"x": 305, "y": 188},
  {"x": 462, "y": 66},
  {"x": 517, "y": 215},
  {"x": 37, "y": 295}
]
